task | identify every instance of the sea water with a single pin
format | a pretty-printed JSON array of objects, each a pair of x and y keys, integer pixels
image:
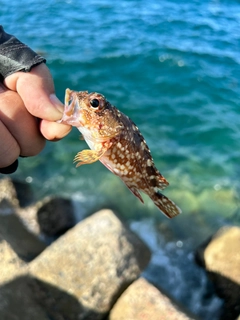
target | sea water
[{"x": 174, "y": 68}]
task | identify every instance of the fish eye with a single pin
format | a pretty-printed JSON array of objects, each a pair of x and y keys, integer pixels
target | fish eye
[{"x": 94, "y": 103}]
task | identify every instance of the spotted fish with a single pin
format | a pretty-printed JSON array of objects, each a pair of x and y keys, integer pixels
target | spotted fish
[{"x": 116, "y": 141}]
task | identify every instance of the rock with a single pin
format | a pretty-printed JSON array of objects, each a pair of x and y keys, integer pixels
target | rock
[
  {"x": 11, "y": 264},
  {"x": 95, "y": 262},
  {"x": 16, "y": 192},
  {"x": 24, "y": 193},
  {"x": 142, "y": 300},
  {"x": 8, "y": 191},
  {"x": 50, "y": 217},
  {"x": 221, "y": 258},
  {"x": 28, "y": 216},
  {"x": 19, "y": 194},
  {"x": 24, "y": 243},
  {"x": 55, "y": 215},
  {"x": 22, "y": 299}
]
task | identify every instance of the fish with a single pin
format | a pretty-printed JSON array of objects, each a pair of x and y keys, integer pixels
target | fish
[{"x": 118, "y": 144}]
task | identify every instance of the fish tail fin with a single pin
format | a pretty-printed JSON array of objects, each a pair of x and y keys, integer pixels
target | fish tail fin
[{"x": 167, "y": 206}]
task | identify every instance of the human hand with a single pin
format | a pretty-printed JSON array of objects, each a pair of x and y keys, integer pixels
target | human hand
[{"x": 28, "y": 113}]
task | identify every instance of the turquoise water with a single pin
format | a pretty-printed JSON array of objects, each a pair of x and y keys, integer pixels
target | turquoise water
[{"x": 174, "y": 68}]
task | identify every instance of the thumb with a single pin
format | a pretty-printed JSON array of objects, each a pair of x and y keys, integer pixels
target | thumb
[{"x": 36, "y": 89}]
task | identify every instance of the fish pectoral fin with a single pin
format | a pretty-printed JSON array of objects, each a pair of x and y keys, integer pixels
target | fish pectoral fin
[
  {"x": 135, "y": 192},
  {"x": 88, "y": 156},
  {"x": 105, "y": 137}
]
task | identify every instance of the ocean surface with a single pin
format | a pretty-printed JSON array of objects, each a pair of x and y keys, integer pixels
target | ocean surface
[{"x": 173, "y": 66}]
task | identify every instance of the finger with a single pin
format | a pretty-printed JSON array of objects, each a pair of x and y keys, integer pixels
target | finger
[
  {"x": 9, "y": 148},
  {"x": 36, "y": 89},
  {"x": 54, "y": 131},
  {"x": 21, "y": 125}
]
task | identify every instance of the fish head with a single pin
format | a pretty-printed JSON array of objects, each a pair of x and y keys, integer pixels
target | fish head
[
  {"x": 80, "y": 104},
  {"x": 91, "y": 113}
]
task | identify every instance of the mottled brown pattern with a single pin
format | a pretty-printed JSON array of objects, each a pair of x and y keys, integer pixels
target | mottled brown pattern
[{"x": 117, "y": 142}]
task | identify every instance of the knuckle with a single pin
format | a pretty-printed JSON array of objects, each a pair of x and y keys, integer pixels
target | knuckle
[{"x": 33, "y": 148}]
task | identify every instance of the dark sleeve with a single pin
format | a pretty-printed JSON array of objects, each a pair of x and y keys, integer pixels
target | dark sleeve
[{"x": 15, "y": 55}]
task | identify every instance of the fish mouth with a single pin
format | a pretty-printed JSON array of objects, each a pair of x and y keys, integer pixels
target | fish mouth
[{"x": 71, "y": 113}]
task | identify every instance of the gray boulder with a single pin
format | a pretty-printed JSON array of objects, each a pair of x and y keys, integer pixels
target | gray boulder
[
  {"x": 142, "y": 300},
  {"x": 221, "y": 258},
  {"x": 94, "y": 262}
]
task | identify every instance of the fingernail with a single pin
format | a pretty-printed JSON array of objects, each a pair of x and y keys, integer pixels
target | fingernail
[
  {"x": 56, "y": 102},
  {"x": 10, "y": 169}
]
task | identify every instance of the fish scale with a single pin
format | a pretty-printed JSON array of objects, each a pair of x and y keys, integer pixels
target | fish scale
[{"x": 116, "y": 141}]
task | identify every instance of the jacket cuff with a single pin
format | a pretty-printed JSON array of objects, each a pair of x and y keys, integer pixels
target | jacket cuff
[{"x": 15, "y": 55}]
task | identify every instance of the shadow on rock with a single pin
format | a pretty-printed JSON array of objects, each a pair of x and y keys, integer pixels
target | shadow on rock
[
  {"x": 229, "y": 291},
  {"x": 55, "y": 216},
  {"x": 28, "y": 298},
  {"x": 24, "y": 243}
]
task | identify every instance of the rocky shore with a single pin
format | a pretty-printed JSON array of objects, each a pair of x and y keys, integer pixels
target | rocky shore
[
  {"x": 54, "y": 268},
  {"x": 220, "y": 256}
]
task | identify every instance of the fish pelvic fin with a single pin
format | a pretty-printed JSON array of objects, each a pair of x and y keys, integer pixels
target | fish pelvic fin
[
  {"x": 135, "y": 192},
  {"x": 165, "y": 205}
]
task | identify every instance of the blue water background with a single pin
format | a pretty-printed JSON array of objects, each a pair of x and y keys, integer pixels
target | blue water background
[{"x": 174, "y": 68}]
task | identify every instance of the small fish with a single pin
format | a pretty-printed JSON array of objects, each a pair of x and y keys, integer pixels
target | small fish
[{"x": 116, "y": 141}]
